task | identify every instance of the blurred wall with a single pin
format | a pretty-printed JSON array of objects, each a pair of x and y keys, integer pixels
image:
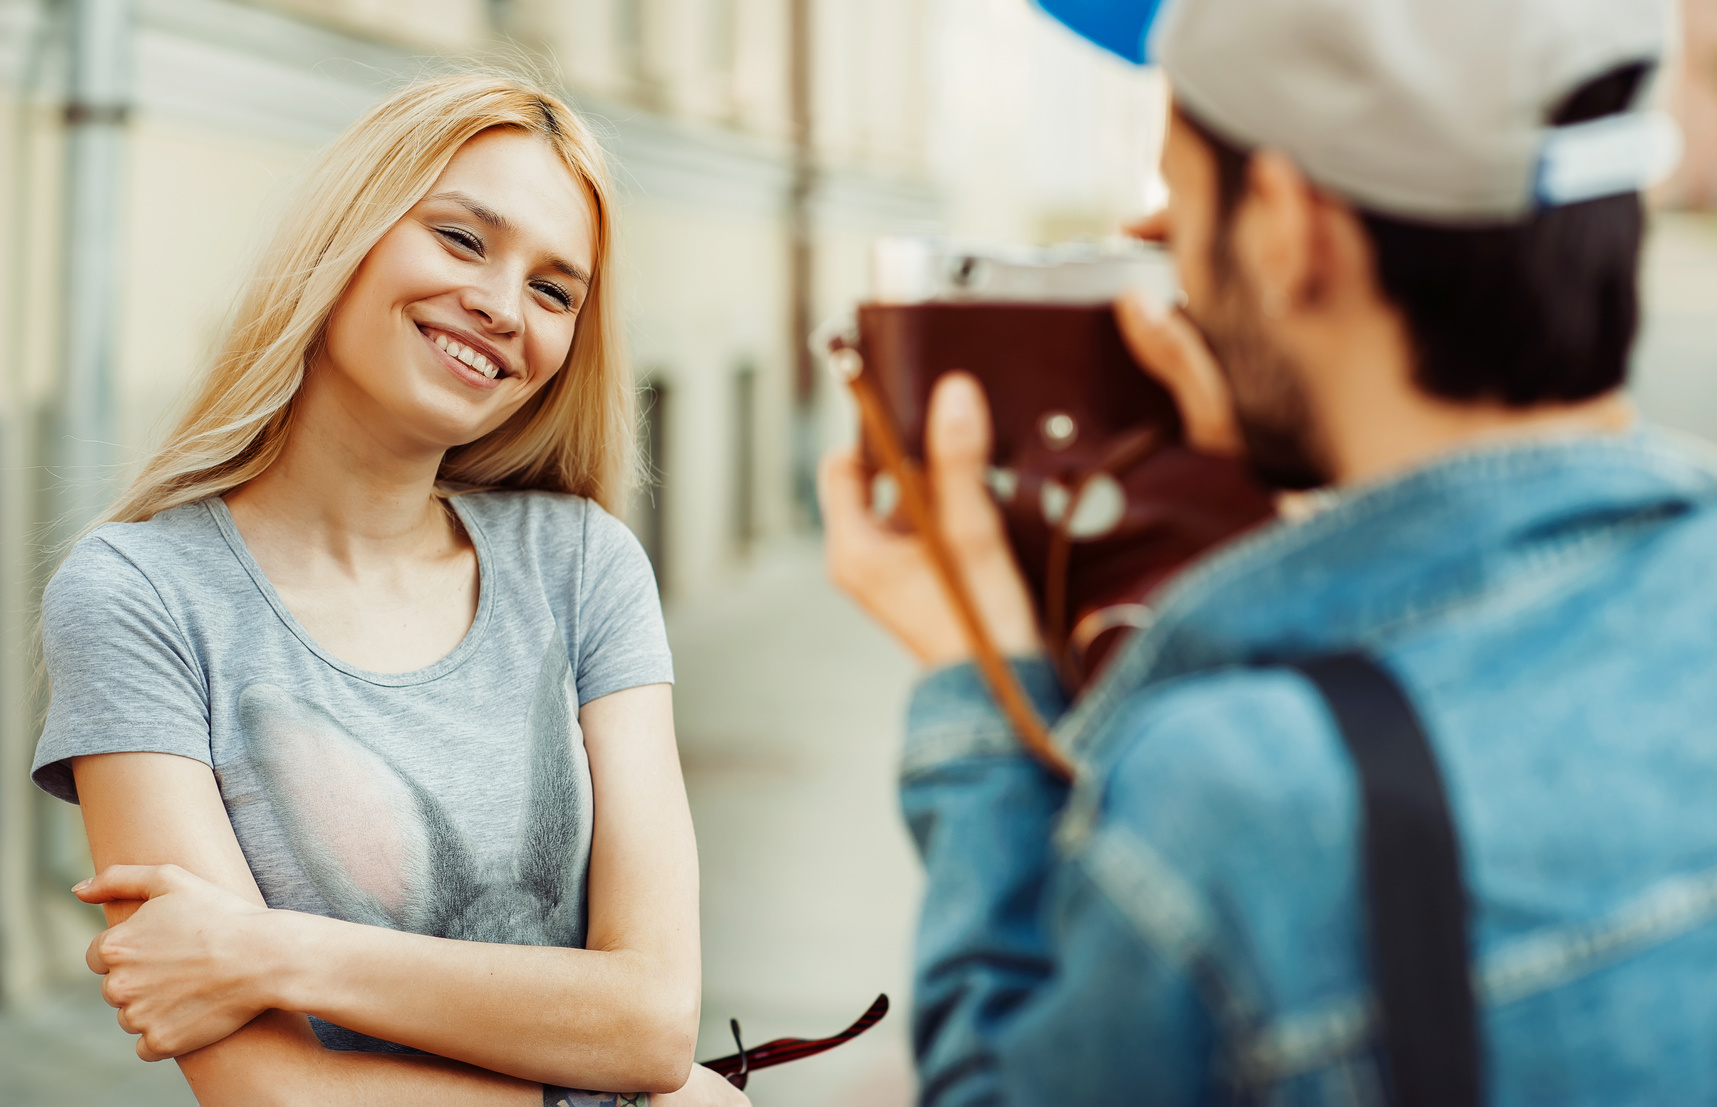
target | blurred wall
[
  {"x": 1692, "y": 96},
  {"x": 978, "y": 118}
]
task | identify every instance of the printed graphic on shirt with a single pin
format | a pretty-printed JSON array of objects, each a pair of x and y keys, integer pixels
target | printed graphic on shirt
[{"x": 381, "y": 850}]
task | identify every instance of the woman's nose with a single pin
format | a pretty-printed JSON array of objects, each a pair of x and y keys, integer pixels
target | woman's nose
[{"x": 498, "y": 303}]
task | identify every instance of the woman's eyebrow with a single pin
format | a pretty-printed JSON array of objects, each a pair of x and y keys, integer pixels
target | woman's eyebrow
[
  {"x": 491, "y": 218},
  {"x": 572, "y": 271},
  {"x": 486, "y": 215}
]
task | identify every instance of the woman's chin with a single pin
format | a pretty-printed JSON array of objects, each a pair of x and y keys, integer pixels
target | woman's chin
[{"x": 443, "y": 419}]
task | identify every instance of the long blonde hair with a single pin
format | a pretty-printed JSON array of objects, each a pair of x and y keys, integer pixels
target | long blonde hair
[{"x": 576, "y": 435}]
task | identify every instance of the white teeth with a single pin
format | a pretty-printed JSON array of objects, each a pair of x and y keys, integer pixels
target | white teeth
[{"x": 469, "y": 356}]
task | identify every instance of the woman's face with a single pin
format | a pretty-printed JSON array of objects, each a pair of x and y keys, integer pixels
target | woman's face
[{"x": 466, "y": 308}]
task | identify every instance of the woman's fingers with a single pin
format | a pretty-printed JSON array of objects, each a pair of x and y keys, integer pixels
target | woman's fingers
[
  {"x": 94, "y": 959},
  {"x": 147, "y": 1052},
  {"x": 129, "y": 882},
  {"x": 125, "y": 1015},
  {"x": 1169, "y": 348},
  {"x": 182, "y": 970}
]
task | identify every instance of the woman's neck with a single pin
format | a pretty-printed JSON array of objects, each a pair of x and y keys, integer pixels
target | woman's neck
[{"x": 339, "y": 490}]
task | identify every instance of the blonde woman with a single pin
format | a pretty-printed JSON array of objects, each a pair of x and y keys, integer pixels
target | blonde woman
[{"x": 363, "y": 692}]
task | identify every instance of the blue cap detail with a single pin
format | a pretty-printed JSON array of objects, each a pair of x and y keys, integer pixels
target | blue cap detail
[{"x": 1118, "y": 26}]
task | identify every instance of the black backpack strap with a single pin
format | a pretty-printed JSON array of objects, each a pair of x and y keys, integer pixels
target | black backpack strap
[{"x": 1417, "y": 904}]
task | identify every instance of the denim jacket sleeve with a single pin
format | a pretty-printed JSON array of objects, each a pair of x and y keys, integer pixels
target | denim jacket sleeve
[{"x": 1029, "y": 986}]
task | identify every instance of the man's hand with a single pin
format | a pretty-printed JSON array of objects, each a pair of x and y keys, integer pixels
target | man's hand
[
  {"x": 186, "y": 969},
  {"x": 1169, "y": 348},
  {"x": 891, "y": 574}
]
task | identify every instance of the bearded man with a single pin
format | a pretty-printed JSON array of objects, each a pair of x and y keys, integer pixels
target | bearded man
[{"x": 1408, "y": 800}]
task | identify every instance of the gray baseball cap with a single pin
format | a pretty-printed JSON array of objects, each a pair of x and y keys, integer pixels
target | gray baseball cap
[{"x": 1435, "y": 110}]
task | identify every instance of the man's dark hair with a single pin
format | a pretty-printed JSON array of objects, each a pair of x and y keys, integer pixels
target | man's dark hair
[{"x": 1540, "y": 310}]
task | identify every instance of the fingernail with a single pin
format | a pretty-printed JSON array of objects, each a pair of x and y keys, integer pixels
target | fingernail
[
  {"x": 962, "y": 396},
  {"x": 957, "y": 402},
  {"x": 81, "y": 885}
]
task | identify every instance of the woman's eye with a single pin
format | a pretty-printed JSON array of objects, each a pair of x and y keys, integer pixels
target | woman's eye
[
  {"x": 465, "y": 240},
  {"x": 556, "y": 293}
]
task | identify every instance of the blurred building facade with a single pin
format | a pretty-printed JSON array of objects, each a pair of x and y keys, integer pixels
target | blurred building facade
[
  {"x": 1692, "y": 97},
  {"x": 760, "y": 145}
]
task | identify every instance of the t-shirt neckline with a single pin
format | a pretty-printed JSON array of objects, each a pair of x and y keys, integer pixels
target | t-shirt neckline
[{"x": 454, "y": 658}]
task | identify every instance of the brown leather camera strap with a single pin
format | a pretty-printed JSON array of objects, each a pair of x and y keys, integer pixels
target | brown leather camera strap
[
  {"x": 1127, "y": 451},
  {"x": 915, "y": 498}
]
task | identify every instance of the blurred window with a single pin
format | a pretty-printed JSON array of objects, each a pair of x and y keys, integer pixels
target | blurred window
[
  {"x": 634, "y": 32},
  {"x": 723, "y": 57},
  {"x": 744, "y": 465}
]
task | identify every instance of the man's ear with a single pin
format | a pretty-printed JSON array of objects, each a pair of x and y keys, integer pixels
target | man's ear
[{"x": 1276, "y": 232}]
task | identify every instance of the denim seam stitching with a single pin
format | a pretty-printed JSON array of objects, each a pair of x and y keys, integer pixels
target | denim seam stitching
[
  {"x": 1518, "y": 970},
  {"x": 1532, "y": 964},
  {"x": 1571, "y": 557},
  {"x": 988, "y": 734},
  {"x": 932, "y": 747},
  {"x": 1163, "y": 909}
]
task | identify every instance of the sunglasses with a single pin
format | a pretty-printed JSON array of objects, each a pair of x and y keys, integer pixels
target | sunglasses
[{"x": 738, "y": 1067}]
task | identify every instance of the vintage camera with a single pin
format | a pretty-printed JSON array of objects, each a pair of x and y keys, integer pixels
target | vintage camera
[{"x": 1102, "y": 498}]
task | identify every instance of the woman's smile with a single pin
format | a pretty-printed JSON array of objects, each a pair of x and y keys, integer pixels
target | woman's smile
[
  {"x": 469, "y": 358},
  {"x": 492, "y": 269}
]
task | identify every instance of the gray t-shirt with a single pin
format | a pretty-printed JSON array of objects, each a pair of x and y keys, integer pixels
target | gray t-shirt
[{"x": 454, "y": 800}]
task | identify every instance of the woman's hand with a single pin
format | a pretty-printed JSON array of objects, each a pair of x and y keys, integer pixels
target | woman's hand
[
  {"x": 188, "y": 968},
  {"x": 703, "y": 1088},
  {"x": 891, "y": 574}
]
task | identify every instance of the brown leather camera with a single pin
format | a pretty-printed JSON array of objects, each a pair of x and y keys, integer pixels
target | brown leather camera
[{"x": 1103, "y": 500}]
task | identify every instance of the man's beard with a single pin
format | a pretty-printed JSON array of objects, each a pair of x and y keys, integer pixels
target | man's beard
[{"x": 1269, "y": 401}]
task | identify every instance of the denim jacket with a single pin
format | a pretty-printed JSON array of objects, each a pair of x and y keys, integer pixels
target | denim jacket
[{"x": 1184, "y": 924}]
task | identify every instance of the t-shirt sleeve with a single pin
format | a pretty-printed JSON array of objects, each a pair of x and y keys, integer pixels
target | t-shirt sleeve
[
  {"x": 122, "y": 673},
  {"x": 622, "y": 642}
]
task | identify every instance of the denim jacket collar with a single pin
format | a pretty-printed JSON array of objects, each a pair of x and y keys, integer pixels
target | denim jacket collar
[{"x": 1387, "y": 555}]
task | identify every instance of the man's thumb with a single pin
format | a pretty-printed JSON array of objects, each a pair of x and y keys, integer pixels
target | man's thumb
[
  {"x": 958, "y": 448},
  {"x": 958, "y": 433}
]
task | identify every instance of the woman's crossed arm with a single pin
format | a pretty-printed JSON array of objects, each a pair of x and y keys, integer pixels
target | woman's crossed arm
[{"x": 202, "y": 957}]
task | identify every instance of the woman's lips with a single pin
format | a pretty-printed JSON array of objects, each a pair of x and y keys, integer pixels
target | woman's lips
[{"x": 467, "y": 373}]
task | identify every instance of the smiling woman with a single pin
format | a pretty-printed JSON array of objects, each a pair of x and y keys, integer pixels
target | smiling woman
[{"x": 363, "y": 692}]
